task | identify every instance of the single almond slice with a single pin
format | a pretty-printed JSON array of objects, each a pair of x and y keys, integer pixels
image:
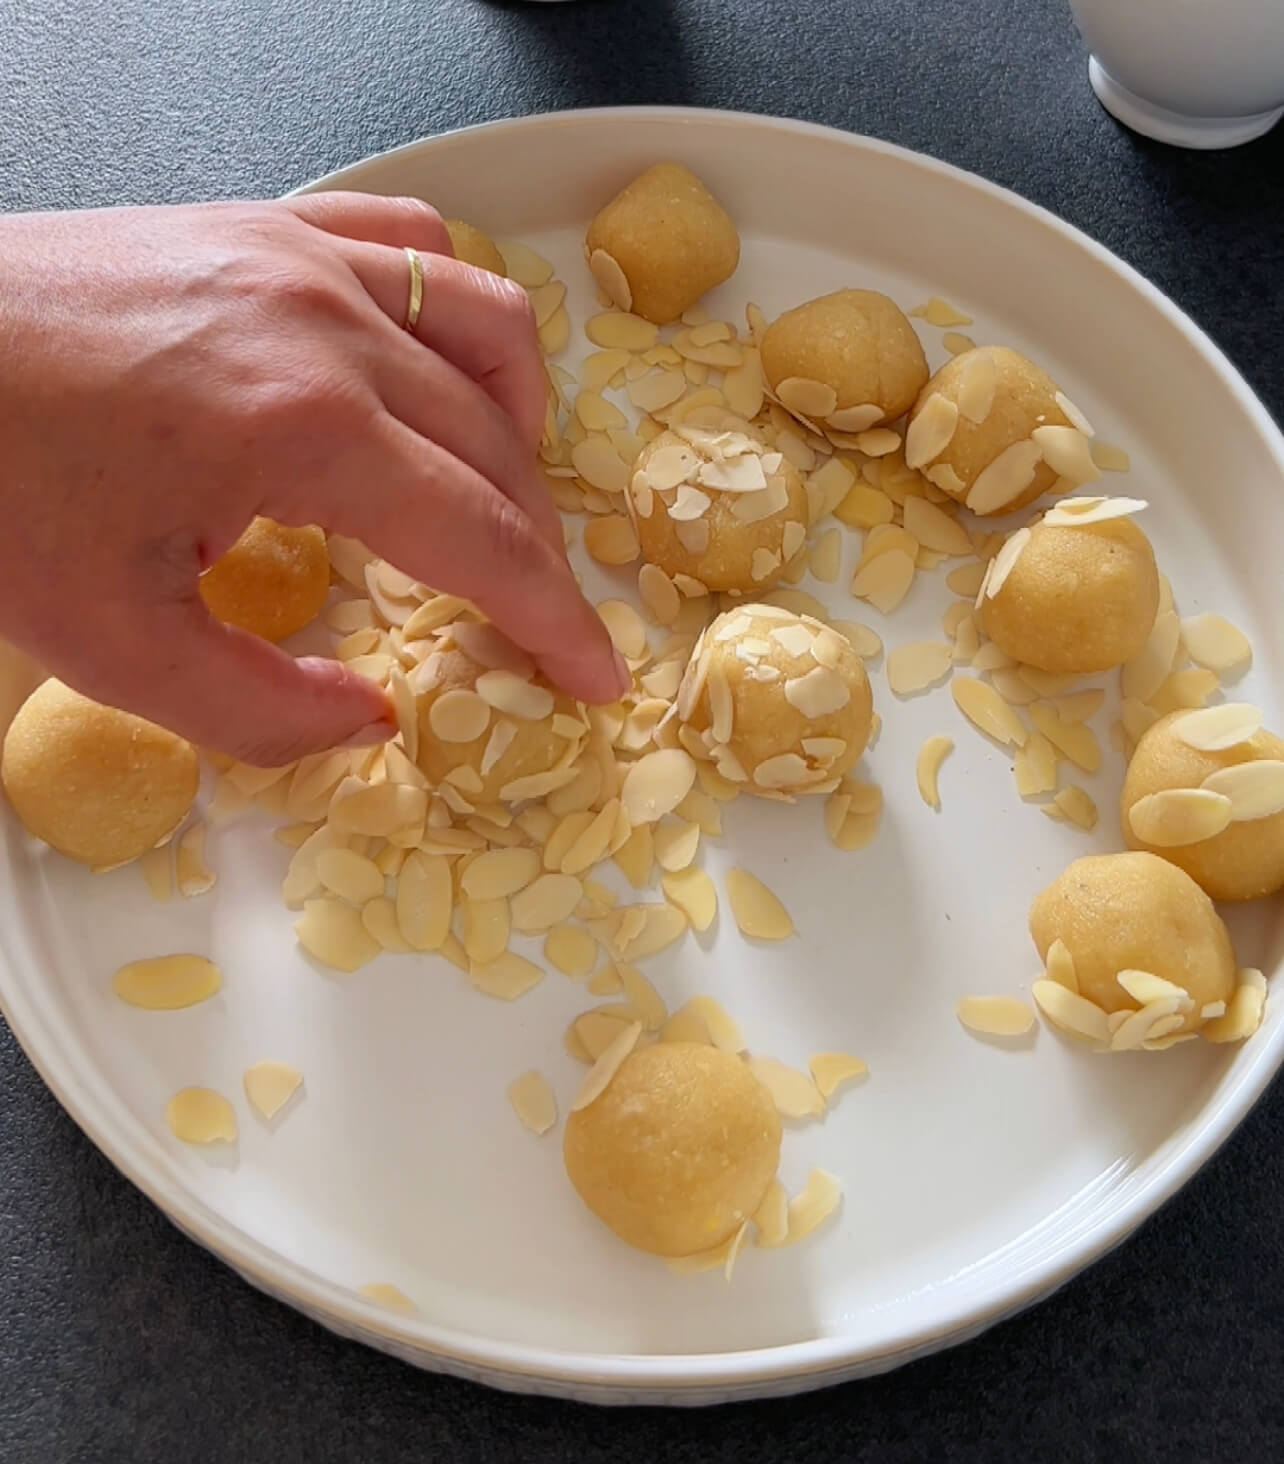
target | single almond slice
[
  {"x": 351, "y": 876},
  {"x": 859, "y": 418},
  {"x": 425, "y": 899},
  {"x": 863, "y": 507},
  {"x": 757, "y": 912},
  {"x": 546, "y": 901},
  {"x": 936, "y": 529},
  {"x": 940, "y": 312},
  {"x": 1255, "y": 789},
  {"x": 931, "y": 756},
  {"x": 806, "y": 398},
  {"x": 201, "y": 1116},
  {"x": 1109, "y": 458},
  {"x": 379, "y": 916},
  {"x": 571, "y": 950},
  {"x": 167, "y": 983},
  {"x": 885, "y": 580},
  {"x": 1175, "y": 817},
  {"x": 995, "y": 1016},
  {"x": 644, "y": 998},
  {"x": 1244, "y": 1013},
  {"x": 621, "y": 332},
  {"x": 605, "y": 1068},
  {"x": 1076, "y": 804},
  {"x": 809, "y": 1210},
  {"x": 831, "y": 1071},
  {"x": 988, "y": 712},
  {"x": 1005, "y": 478},
  {"x": 1002, "y": 565},
  {"x": 656, "y": 784},
  {"x": 956, "y": 344},
  {"x": 1068, "y": 453},
  {"x": 193, "y": 874},
  {"x": 977, "y": 386},
  {"x": 611, "y": 279},
  {"x": 1035, "y": 766},
  {"x": 794, "y": 1093},
  {"x": 918, "y": 666},
  {"x": 1140, "y": 1026},
  {"x": 694, "y": 893},
  {"x": 1071, "y": 1012},
  {"x": 332, "y": 933},
  {"x": 724, "y": 1032},
  {"x": 1145, "y": 987},
  {"x": 1074, "y": 740},
  {"x": 827, "y": 556},
  {"x": 507, "y": 978},
  {"x": 499, "y": 873},
  {"x": 867, "y": 643},
  {"x": 931, "y": 429},
  {"x": 1060, "y": 967},
  {"x": 270, "y": 1085},
  {"x": 676, "y": 844},
  {"x": 1216, "y": 644},
  {"x": 533, "y": 1101}
]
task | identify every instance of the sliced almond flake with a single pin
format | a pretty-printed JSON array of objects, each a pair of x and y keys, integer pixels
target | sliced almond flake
[
  {"x": 1212, "y": 1009},
  {"x": 977, "y": 387},
  {"x": 1137, "y": 1027},
  {"x": 201, "y": 1116},
  {"x": 956, "y": 344},
  {"x": 931, "y": 429},
  {"x": 758, "y": 913},
  {"x": 1255, "y": 789},
  {"x": 1068, "y": 453},
  {"x": 555, "y": 333},
  {"x": 1071, "y": 1012},
  {"x": 1185, "y": 690},
  {"x": 785, "y": 770},
  {"x": 824, "y": 749},
  {"x": 350, "y": 875},
  {"x": 806, "y": 398},
  {"x": 676, "y": 844},
  {"x": 621, "y": 332},
  {"x": 863, "y": 640},
  {"x": 193, "y": 874},
  {"x": 1005, "y": 478},
  {"x": 883, "y": 538},
  {"x": 763, "y": 562},
  {"x": 1213, "y": 729},
  {"x": 931, "y": 756},
  {"x": 332, "y": 933},
  {"x": 966, "y": 579},
  {"x": 270, "y": 1085},
  {"x": 349, "y": 558},
  {"x": 379, "y": 916},
  {"x": 1108, "y": 457},
  {"x": 605, "y": 1068},
  {"x": 524, "y": 266},
  {"x": 592, "y": 845},
  {"x": 694, "y": 893},
  {"x": 546, "y": 299},
  {"x": 625, "y": 626},
  {"x": 458, "y": 715},
  {"x": 570, "y": 950},
  {"x": 819, "y": 693},
  {"x": 507, "y": 978},
  {"x": 1060, "y": 967},
  {"x": 1004, "y": 562},
  {"x": 864, "y": 507},
  {"x": 935, "y": 529},
  {"x": 602, "y": 368},
  {"x": 636, "y": 855},
  {"x": 1161, "y": 1030},
  {"x": 611, "y": 279},
  {"x": 607, "y": 981},
  {"x": 827, "y": 556},
  {"x": 703, "y": 1019},
  {"x": 809, "y": 1210},
  {"x": 1077, "y": 806},
  {"x": 1079, "y": 706},
  {"x": 990, "y": 658},
  {"x": 646, "y": 1000},
  {"x": 547, "y": 901},
  {"x": 1244, "y": 1012},
  {"x": 1217, "y": 645},
  {"x": 1144, "y": 987},
  {"x": 425, "y": 900},
  {"x": 167, "y": 983},
  {"x": 831, "y": 1071},
  {"x": 915, "y": 667},
  {"x": 486, "y": 927},
  {"x": 987, "y": 711},
  {"x": 661, "y": 925},
  {"x": 885, "y": 581},
  {"x": 995, "y": 1016},
  {"x": 537, "y": 785},
  {"x": 1176, "y": 817},
  {"x": 157, "y": 866},
  {"x": 1074, "y": 740},
  {"x": 497, "y": 744},
  {"x": 656, "y": 784},
  {"x": 940, "y": 312},
  {"x": 349, "y": 615},
  {"x": 533, "y": 1101},
  {"x": 792, "y": 539},
  {"x": 499, "y": 873},
  {"x": 592, "y": 1033},
  {"x": 1076, "y": 417},
  {"x": 943, "y": 477},
  {"x": 794, "y": 1093},
  {"x": 559, "y": 840}
]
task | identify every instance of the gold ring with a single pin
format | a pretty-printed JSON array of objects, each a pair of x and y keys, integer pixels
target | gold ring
[{"x": 416, "y": 290}]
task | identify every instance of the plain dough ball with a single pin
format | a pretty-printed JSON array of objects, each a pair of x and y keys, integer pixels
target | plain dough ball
[
  {"x": 272, "y": 582},
  {"x": 1024, "y": 398},
  {"x": 857, "y": 342},
  {"x": 672, "y": 239},
  {"x": 532, "y": 748},
  {"x": 98, "y": 784},
  {"x": 678, "y": 1151},
  {"x": 1244, "y": 861},
  {"x": 473, "y": 247},
  {"x": 1136, "y": 912},
  {"x": 720, "y": 549},
  {"x": 795, "y": 723},
  {"x": 1077, "y": 600}
]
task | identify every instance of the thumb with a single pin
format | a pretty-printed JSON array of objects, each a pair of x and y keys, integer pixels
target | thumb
[{"x": 231, "y": 692}]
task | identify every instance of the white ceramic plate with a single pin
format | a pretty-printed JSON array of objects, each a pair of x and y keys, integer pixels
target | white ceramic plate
[{"x": 976, "y": 1179}]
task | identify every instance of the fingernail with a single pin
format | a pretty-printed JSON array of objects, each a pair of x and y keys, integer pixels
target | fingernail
[
  {"x": 623, "y": 676},
  {"x": 371, "y": 735}
]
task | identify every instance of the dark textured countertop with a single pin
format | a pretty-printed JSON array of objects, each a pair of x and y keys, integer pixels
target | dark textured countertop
[{"x": 122, "y": 1341}]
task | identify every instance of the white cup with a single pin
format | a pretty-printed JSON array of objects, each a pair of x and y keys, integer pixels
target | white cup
[{"x": 1197, "y": 73}]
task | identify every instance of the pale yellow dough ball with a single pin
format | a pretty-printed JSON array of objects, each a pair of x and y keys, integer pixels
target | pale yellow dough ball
[
  {"x": 691, "y": 517},
  {"x": 669, "y": 242},
  {"x": 272, "y": 582},
  {"x": 100, "y": 785},
  {"x": 857, "y": 344},
  {"x": 481, "y": 747},
  {"x": 678, "y": 1151},
  {"x": 1136, "y": 912},
  {"x": 779, "y": 702},
  {"x": 473, "y": 247},
  {"x": 1246, "y": 860},
  {"x": 993, "y": 400},
  {"x": 1077, "y": 600}
]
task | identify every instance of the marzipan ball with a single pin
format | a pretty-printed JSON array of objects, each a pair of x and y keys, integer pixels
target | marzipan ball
[
  {"x": 678, "y": 1151},
  {"x": 1246, "y": 859},
  {"x": 712, "y": 502},
  {"x": 272, "y": 582},
  {"x": 1076, "y": 600},
  {"x": 662, "y": 244},
  {"x": 1136, "y": 912},
  {"x": 848, "y": 361},
  {"x": 475, "y": 248},
  {"x": 779, "y": 702},
  {"x": 100, "y": 785},
  {"x": 980, "y": 430}
]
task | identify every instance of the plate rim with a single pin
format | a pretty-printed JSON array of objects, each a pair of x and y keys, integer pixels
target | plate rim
[{"x": 669, "y": 1377}]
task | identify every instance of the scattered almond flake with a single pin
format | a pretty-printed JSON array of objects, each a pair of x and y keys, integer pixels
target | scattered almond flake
[
  {"x": 1144, "y": 987},
  {"x": 827, "y": 556},
  {"x": 512, "y": 695},
  {"x": 594, "y": 843},
  {"x": 661, "y": 925},
  {"x": 676, "y": 845},
  {"x": 167, "y": 983},
  {"x": 832, "y": 1070},
  {"x": 1244, "y": 1013},
  {"x": 646, "y": 1000},
  {"x": 930, "y": 758},
  {"x": 1073, "y": 740},
  {"x": 537, "y": 785},
  {"x": 1175, "y": 817},
  {"x": 864, "y": 507},
  {"x": 1079, "y": 706},
  {"x": 524, "y": 266},
  {"x": 809, "y": 1210},
  {"x": 315, "y": 778},
  {"x": 805, "y": 398},
  {"x": 379, "y": 916},
  {"x": 270, "y": 1085},
  {"x": 694, "y": 893},
  {"x": 1255, "y": 789},
  {"x": 995, "y": 1016},
  {"x": 1068, "y": 453},
  {"x": 201, "y": 1116},
  {"x": 625, "y": 626},
  {"x": 571, "y": 950},
  {"x": 349, "y": 558},
  {"x": 1217, "y": 645},
  {"x": 940, "y": 313},
  {"x": 990, "y": 658},
  {"x": 555, "y": 333},
  {"x": 349, "y": 615},
  {"x": 1212, "y": 1009},
  {"x": 636, "y": 855},
  {"x": 656, "y": 784},
  {"x": 546, "y": 300},
  {"x": 383, "y": 1293},
  {"x": 757, "y": 911},
  {"x": 698, "y": 806},
  {"x": 507, "y": 978},
  {"x": 194, "y": 875},
  {"x": 1077, "y": 805},
  {"x": 1137, "y": 1027},
  {"x": 547, "y": 901},
  {"x": 157, "y": 867},
  {"x": 931, "y": 429},
  {"x": 621, "y": 332},
  {"x": 606, "y": 1066},
  {"x": 1213, "y": 729},
  {"x": 915, "y": 667},
  {"x": 592, "y": 1032},
  {"x": 793, "y": 1092},
  {"x": 1071, "y": 1012},
  {"x": 486, "y": 928},
  {"x": 499, "y": 873},
  {"x": 533, "y": 1101},
  {"x": 349, "y": 875},
  {"x": 597, "y": 462},
  {"x": 611, "y": 279},
  {"x": 1048, "y": 683},
  {"x": 966, "y": 579},
  {"x": 883, "y": 538},
  {"x": 1108, "y": 458},
  {"x": 885, "y": 581},
  {"x": 458, "y": 715},
  {"x": 988, "y": 712},
  {"x": 935, "y": 529},
  {"x": 425, "y": 900},
  {"x": 954, "y": 617},
  {"x": 1060, "y": 967},
  {"x": 378, "y": 809},
  {"x": 602, "y": 368},
  {"x": 1005, "y": 478},
  {"x": 703, "y": 1019},
  {"x": 560, "y": 839},
  {"x": 1185, "y": 690},
  {"x": 332, "y": 933},
  {"x": 1160, "y": 1035},
  {"x": 1003, "y": 563}
]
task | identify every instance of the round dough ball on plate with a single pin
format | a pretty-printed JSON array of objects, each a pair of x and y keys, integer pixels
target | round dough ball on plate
[
  {"x": 1245, "y": 859},
  {"x": 100, "y": 785},
  {"x": 847, "y": 361},
  {"x": 488, "y": 725},
  {"x": 272, "y": 582},
  {"x": 1136, "y": 912},
  {"x": 679, "y": 1149},
  {"x": 1073, "y": 600},
  {"x": 992, "y": 430},
  {"x": 712, "y": 502},
  {"x": 661, "y": 244},
  {"x": 473, "y": 247},
  {"x": 779, "y": 702}
]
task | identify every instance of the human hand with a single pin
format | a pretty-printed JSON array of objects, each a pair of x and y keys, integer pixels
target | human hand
[{"x": 168, "y": 373}]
